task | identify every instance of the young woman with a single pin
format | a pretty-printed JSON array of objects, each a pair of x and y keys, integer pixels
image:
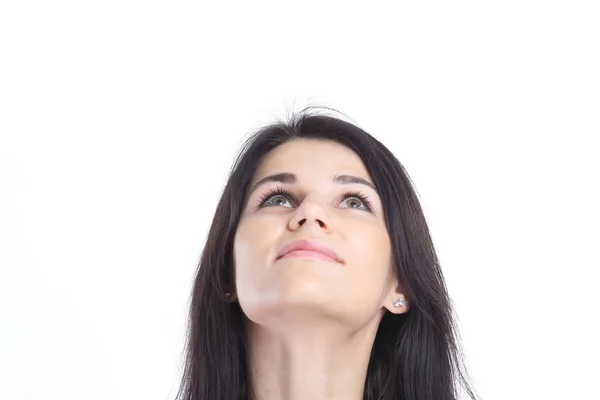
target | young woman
[{"x": 319, "y": 278}]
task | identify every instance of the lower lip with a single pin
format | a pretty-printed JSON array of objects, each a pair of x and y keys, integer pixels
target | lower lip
[{"x": 308, "y": 254}]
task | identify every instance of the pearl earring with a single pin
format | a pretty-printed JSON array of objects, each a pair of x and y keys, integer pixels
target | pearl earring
[{"x": 400, "y": 302}]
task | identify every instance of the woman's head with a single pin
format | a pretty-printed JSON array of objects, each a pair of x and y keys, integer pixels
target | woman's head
[
  {"x": 345, "y": 189},
  {"x": 315, "y": 189}
]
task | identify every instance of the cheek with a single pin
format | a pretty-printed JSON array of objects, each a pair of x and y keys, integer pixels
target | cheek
[
  {"x": 369, "y": 240},
  {"x": 245, "y": 246},
  {"x": 371, "y": 252},
  {"x": 255, "y": 242}
]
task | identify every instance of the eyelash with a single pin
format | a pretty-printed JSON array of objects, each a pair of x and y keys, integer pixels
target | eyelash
[{"x": 283, "y": 192}]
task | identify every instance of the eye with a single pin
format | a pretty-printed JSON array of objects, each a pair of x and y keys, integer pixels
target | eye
[
  {"x": 280, "y": 199},
  {"x": 354, "y": 197},
  {"x": 279, "y": 192}
]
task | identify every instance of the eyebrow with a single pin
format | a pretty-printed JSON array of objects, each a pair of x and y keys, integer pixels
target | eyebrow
[{"x": 288, "y": 177}]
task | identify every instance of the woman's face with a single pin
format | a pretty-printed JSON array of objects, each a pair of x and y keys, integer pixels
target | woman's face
[{"x": 354, "y": 290}]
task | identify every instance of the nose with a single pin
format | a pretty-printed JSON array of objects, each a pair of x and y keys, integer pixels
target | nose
[{"x": 310, "y": 212}]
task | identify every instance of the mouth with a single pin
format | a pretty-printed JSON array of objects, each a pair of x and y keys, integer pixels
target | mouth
[
  {"x": 308, "y": 254},
  {"x": 305, "y": 248}
]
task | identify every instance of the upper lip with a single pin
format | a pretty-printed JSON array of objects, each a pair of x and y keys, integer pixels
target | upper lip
[{"x": 306, "y": 244}]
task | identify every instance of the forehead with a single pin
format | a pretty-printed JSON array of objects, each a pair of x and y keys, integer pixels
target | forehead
[{"x": 310, "y": 158}]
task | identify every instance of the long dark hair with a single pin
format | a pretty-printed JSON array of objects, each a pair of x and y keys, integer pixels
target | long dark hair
[{"x": 415, "y": 356}]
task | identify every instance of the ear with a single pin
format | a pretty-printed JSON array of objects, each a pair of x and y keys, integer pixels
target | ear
[
  {"x": 232, "y": 298},
  {"x": 231, "y": 288},
  {"x": 395, "y": 293}
]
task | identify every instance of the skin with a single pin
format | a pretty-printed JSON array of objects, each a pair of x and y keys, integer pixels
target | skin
[{"x": 311, "y": 323}]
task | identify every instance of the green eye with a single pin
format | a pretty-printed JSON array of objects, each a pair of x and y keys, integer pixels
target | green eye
[{"x": 286, "y": 195}]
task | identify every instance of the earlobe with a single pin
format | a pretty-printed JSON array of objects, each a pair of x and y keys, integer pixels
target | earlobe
[
  {"x": 230, "y": 297},
  {"x": 400, "y": 306},
  {"x": 396, "y": 296},
  {"x": 400, "y": 302}
]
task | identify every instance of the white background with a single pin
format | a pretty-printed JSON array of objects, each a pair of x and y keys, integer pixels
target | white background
[{"x": 119, "y": 121}]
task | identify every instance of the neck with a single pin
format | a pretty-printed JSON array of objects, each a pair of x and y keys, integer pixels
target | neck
[{"x": 309, "y": 361}]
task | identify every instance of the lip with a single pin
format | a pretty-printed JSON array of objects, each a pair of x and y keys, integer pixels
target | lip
[{"x": 304, "y": 247}]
